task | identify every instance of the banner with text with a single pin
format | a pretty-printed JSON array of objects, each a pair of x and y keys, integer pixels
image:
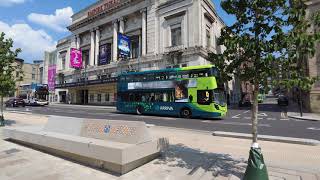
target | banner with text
[
  {"x": 75, "y": 58},
  {"x": 105, "y": 54},
  {"x": 123, "y": 46},
  {"x": 51, "y": 77}
]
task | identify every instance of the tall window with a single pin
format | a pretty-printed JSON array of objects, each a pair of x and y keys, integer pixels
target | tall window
[
  {"x": 176, "y": 36},
  {"x": 85, "y": 56},
  {"x": 208, "y": 38},
  {"x": 91, "y": 97},
  {"x": 135, "y": 50},
  {"x": 33, "y": 77},
  {"x": 99, "y": 97},
  {"x": 63, "y": 62},
  {"x": 107, "y": 97}
]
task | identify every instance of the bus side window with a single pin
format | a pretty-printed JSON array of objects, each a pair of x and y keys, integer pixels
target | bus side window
[
  {"x": 131, "y": 97},
  {"x": 172, "y": 75}
]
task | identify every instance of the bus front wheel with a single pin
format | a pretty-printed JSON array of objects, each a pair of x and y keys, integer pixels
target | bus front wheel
[
  {"x": 185, "y": 113},
  {"x": 139, "y": 110}
]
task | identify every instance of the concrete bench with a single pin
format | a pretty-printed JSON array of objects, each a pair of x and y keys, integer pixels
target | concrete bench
[{"x": 117, "y": 146}]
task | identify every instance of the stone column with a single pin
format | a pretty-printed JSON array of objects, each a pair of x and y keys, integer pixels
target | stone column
[
  {"x": 91, "y": 61},
  {"x": 144, "y": 32},
  {"x": 77, "y": 41},
  {"x": 121, "y": 26},
  {"x": 115, "y": 41},
  {"x": 97, "y": 46}
]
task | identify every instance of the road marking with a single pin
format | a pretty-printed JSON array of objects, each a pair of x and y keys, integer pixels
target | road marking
[
  {"x": 272, "y": 119},
  {"x": 284, "y": 119},
  {"x": 262, "y": 114},
  {"x": 112, "y": 115},
  {"x": 298, "y": 120},
  {"x": 236, "y": 116},
  {"x": 235, "y": 123},
  {"x": 246, "y": 112},
  {"x": 314, "y": 129},
  {"x": 247, "y": 117}
]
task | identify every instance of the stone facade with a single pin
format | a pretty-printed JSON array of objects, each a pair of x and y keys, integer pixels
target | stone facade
[
  {"x": 164, "y": 34},
  {"x": 312, "y": 98}
]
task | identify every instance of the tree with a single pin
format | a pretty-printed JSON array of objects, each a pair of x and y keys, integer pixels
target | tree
[
  {"x": 7, "y": 80},
  {"x": 266, "y": 34}
]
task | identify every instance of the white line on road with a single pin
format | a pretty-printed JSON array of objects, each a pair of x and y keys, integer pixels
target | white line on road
[
  {"x": 113, "y": 115},
  {"x": 272, "y": 119},
  {"x": 298, "y": 120},
  {"x": 247, "y": 117},
  {"x": 262, "y": 114},
  {"x": 314, "y": 129},
  {"x": 246, "y": 112},
  {"x": 236, "y": 123},
  {"x": 236, "y": 116},
  {"x": 284, "y": 119}
]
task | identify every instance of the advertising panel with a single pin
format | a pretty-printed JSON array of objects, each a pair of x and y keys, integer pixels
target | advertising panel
[
  {"x": 104, "y": 54},
  {"x": 51, "y": 77},
  {"x": 75, "y": 58},
  {"x": 123, "y": 46}
]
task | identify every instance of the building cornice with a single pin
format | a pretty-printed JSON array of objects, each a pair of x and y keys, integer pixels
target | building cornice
[{"x": 91, "y": 19}]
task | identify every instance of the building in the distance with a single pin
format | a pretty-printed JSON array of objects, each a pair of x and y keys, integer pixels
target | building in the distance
[
  {"x": 49, "y": 75},
  {"x": 32, "y": 85},
  {"x": 161, "y": 33},
  {"x": 18, "y": 63}
]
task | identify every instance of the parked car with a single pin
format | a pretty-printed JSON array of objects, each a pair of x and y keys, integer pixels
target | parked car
[
  {"x": 15, "y": 102},
  {"x": 37, "y": 102},
  {"x": 245, "y": 103},
  {"x": 283, "y": 100}
]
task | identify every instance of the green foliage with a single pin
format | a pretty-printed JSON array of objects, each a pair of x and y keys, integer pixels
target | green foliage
[
  {"x": 269, "y": 39},
  {"x": 7, "y": 59}
]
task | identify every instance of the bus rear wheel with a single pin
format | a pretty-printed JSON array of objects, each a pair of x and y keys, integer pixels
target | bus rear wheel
[
  {"x": 139, "y": 110},
  {"x": 186, "y": 113}
]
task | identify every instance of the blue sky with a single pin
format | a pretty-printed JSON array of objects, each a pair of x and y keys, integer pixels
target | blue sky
[{"x": 36, "y": 25}]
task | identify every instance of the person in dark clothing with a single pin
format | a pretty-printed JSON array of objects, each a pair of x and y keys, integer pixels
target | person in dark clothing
[{"x": 190, "y": 98}]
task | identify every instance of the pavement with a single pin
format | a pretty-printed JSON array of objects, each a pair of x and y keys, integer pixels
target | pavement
[
  {"x": 192, "y": 154},
  {"x": 293, "y": 111},
  {"x": 305, "y": 116}
]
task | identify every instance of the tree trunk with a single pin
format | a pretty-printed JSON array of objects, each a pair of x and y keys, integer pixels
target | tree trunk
[
  {"x": 254, "y": 118},
  {"x": 1, "y": 106}
]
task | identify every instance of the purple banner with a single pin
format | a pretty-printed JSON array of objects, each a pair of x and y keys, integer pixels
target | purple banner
[
  {"x": 51, "y": 77},
  {"x": 75, "y": 58}
]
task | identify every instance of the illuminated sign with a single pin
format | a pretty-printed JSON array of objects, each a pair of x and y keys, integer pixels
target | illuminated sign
[{"x": 106, "y": 5}]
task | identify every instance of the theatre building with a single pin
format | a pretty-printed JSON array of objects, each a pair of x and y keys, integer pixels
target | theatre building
[{"x": 158, "y": 34}]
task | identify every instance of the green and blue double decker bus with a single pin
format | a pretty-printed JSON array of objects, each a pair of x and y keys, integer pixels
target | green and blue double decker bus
[{"x": 186, "y": 92}]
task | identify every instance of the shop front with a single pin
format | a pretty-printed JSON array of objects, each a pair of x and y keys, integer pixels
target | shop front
[{"x": 94, "y": 92}]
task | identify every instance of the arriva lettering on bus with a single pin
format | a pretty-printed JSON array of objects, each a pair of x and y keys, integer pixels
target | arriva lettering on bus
[{"x": 166, "y": 108}]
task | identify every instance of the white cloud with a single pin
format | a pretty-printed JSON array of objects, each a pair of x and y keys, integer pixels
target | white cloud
[
  {"x": 11, "y": 2},
  {"x": 32, "y": 42},
  {"x": 58, "y": 21}
]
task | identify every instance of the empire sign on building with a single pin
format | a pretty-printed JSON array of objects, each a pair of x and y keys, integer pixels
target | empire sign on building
[{"x": 162, "y": 34}]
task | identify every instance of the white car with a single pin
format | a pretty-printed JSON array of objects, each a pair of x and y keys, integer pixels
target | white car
[{"x": 38, "y": 102}]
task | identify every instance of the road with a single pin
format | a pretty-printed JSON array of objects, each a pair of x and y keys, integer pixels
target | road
[{"x": 272, "y": 119}]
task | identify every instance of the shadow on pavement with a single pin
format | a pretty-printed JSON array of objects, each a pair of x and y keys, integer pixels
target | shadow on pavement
[{"x": 193, "y": 159}]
